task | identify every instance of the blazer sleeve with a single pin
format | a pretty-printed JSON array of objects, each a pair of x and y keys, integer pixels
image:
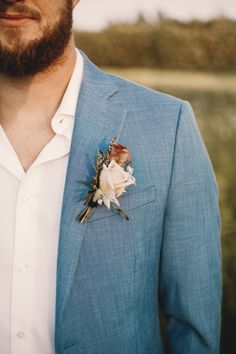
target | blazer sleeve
[{"x": 190, "y": 264}]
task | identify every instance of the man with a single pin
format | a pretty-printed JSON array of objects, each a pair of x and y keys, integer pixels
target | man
[{"x": 69, "y": 287}]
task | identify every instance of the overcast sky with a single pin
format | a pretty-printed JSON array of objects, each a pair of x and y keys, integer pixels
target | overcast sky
[{"x": 95, "y": 14}]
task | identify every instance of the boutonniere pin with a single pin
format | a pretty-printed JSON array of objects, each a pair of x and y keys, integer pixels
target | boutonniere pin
[{"x": 113, "y": 173}]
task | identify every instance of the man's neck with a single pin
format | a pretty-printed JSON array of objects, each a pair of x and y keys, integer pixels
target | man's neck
[{"x": 35, "y": 100}]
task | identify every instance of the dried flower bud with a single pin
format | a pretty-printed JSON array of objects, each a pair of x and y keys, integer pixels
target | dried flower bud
[{"x": 120, "y": 154}]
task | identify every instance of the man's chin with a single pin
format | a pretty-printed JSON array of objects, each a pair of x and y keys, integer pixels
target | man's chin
[
  {"x": 15, "y": 39},
  {"x": 23, "y": 61}
]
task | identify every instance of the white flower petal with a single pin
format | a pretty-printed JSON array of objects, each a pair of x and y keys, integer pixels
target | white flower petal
[
  {"x": 107, "y": 202},
  {"x": 116, "y": 201},
  {"x": 113, "y": 181},
  {"x": 100, "y": 201},
  {"x": 129, "y": 169},
  {"x": 105, "y": 181}
]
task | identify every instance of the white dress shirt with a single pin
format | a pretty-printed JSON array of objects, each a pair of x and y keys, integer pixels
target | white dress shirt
[{"x": 30, "y": 210}]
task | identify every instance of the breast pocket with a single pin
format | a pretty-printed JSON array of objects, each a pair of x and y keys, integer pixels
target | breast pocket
[{"x": 129, "y": 201}]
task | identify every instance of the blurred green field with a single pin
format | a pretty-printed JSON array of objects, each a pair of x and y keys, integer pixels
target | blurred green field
[
  {"x": 213, "y": 97},
  {"x": 178, "y": 80}
]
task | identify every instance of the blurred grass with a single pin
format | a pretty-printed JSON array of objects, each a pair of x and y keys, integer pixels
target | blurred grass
[
  {"x": 169, "y": 79},
  {"x": 213, "y": 97}
]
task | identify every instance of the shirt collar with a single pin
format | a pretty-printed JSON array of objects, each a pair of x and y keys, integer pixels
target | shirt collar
[{"x": 63, "y": 121}]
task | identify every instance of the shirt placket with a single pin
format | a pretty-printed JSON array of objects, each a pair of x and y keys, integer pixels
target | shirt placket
[
  {"x": 22, "y": 271},
  {"x": 25, "y": 246}
]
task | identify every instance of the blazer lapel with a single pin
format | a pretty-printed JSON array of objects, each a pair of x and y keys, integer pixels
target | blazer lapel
[{"x": 97, "y": 121}]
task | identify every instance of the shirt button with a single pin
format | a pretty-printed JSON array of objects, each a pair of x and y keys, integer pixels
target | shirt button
[
  {"x": 27, "y": 199},
  {"x": 24, "y": 267},
  {"x": 20, "y": 335}
]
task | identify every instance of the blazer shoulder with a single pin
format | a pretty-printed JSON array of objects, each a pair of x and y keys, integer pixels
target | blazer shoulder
[
  {"x": 132, "y": 97},
  {"x": 140, "y": 94}
]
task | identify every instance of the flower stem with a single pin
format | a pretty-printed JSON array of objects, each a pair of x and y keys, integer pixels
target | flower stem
[{"x": 84, "y": 215}]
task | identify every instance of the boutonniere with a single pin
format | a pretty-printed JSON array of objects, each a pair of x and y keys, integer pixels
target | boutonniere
[{"x": 113, "y": 173}]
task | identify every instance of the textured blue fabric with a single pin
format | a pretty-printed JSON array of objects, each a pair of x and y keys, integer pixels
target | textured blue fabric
[{"x": 111, "y": 272}]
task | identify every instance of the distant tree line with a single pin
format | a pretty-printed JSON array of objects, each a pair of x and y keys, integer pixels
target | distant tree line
[{"x": 167, "y": 44}]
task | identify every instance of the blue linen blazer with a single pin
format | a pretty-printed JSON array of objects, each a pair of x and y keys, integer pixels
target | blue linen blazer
[{"x": 112, "y": 274}]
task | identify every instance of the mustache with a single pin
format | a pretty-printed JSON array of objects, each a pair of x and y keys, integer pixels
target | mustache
[{"x": 19, "y": 9}]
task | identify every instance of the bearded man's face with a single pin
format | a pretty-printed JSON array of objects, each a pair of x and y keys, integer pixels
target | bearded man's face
[{"x": 33, "y": 34}]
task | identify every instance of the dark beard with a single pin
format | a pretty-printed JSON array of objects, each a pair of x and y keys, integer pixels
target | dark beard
[{"x": 40, "y": 54}]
